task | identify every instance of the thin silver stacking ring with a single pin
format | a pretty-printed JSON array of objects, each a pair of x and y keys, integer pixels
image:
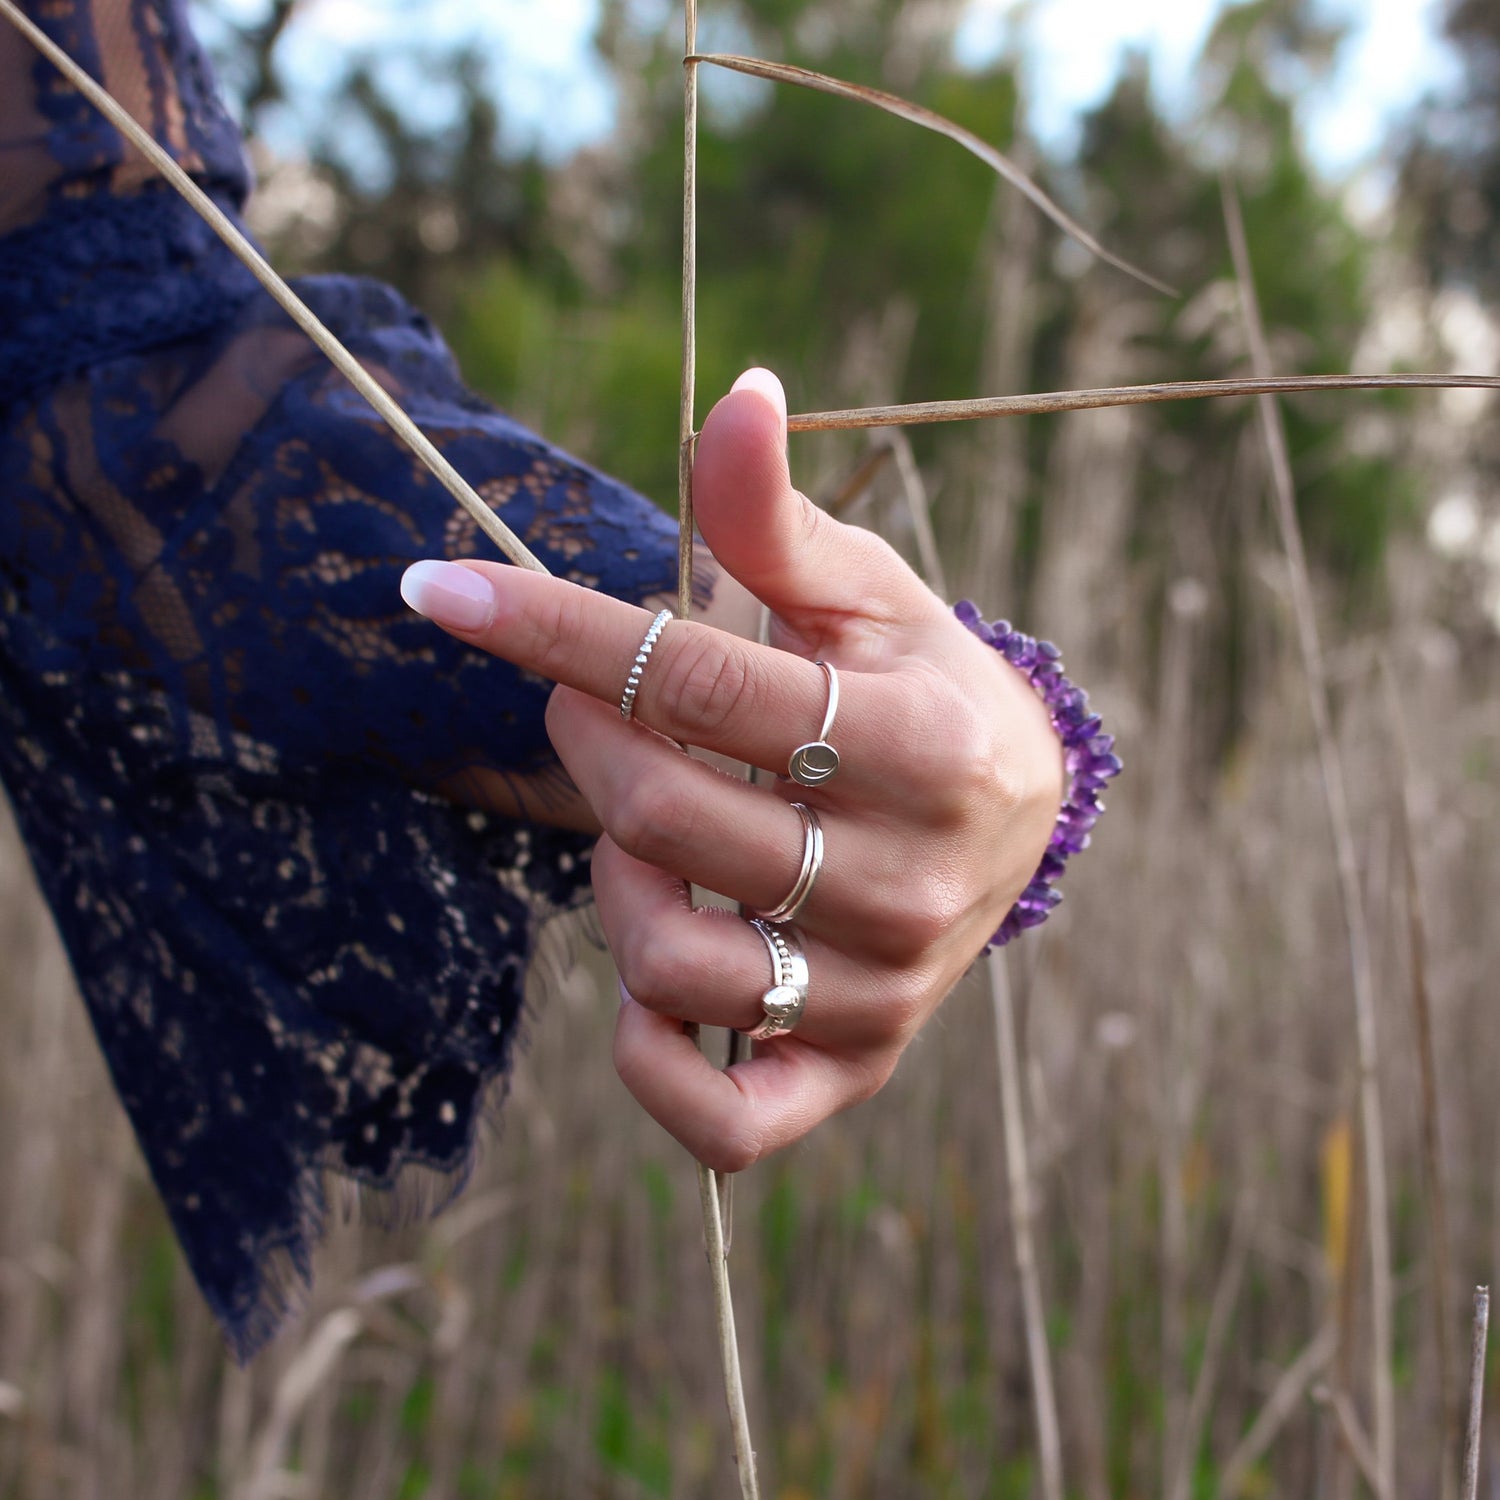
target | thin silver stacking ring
[
  {"x": 817, "y": 761},
  {"x": 812, "y": 865},
  {"x": 638, "y": 666},
  {"x": 785, "y": 1001}
]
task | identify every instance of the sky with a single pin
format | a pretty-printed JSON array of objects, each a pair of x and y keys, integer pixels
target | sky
[
  {"x": 555, "y": 94},
  {"x": 1393, "y": 54}
]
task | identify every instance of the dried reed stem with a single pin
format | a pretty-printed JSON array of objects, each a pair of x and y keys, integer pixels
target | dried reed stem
[
  {"x": 1018, "y": 1184},
  {"x": 1476, "y": 1392},
  {"x": 1336, "y": 799},
  {"x": 854, "y": 487},
  {"x": 1215, "y": 1341},
  {"x": 1432, "y": 1148},
  {"x": 915, "y": 114},
  {"x": 1356, "y": 1444},
  {"x": 1272, "y": 1417},
  {"x": 920, "y": 509},
  {"x": 1045, "y": 403},
  {"x": 401, "y": 424}
]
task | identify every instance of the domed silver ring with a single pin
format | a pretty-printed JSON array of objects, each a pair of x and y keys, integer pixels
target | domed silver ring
[{"x": 785, "y": 1001}]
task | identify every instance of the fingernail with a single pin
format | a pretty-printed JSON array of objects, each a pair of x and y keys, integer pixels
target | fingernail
[
  {"x": 766, "y": 384},
  {"x": 449, "y": 595},
  {"x": 625, "y": 995}
]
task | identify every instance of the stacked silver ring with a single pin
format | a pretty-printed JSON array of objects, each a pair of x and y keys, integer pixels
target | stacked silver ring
[
  {"x": 638, "y": 667},
  {"x": 812, "y": 864},
  {"x": 785, "y": 1001}
]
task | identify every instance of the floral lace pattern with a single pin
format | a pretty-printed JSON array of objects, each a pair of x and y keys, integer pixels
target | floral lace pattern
[{"x": 223, "y": 732}]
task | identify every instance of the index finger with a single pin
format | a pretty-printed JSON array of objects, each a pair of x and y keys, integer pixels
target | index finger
[{"x": 700, "y": 686}]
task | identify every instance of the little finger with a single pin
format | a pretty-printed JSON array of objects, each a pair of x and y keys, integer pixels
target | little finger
[{"x": 731, "y": 1118}]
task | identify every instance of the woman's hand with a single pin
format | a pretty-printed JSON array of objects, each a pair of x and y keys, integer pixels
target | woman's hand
[{"x": 950, "y": 779}]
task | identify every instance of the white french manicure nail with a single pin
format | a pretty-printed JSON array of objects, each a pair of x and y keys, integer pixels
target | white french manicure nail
[{"x": 449, "y": 595}]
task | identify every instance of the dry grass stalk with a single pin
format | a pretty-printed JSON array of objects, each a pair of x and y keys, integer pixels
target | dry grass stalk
[
  {"x": 920, "y": 511},
  {"x": 854, "y": 488},
  {"x": 999, "y": 465},
  {"x": 1476, "y": 1392},
  {"x": 1285, "y": 1396},
  {"x": 1215, "y": 1342},
  {"x": 1355, "y": 1443},
  {"x": 402, "y": 425},
  {"x": 1022, "y": 1216},
  {"x": 1432, "y": 1150},
  {"x": 915, "y": 114},
  {"x": 1332, "y": 773},
  {"x": 1047, "y": 403}
]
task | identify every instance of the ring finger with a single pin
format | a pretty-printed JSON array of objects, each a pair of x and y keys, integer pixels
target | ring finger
[{"x": 710, "y": 966}]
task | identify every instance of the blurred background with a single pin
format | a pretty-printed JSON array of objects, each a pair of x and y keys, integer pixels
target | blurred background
[{"x": 1209, "y": 1272}]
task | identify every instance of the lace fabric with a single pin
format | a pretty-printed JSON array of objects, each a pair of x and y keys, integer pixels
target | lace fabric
[{"x": 224, "y": 735}]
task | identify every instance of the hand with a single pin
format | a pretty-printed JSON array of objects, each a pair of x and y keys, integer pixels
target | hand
[{"x": 950, "y": 781}]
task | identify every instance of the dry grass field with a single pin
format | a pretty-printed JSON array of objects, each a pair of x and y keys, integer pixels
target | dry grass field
[{"x": 1189, "y": 1088}]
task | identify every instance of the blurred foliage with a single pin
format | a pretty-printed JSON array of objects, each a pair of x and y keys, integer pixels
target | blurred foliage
[
  {"x": 558, "y": 283},
  {"x": 1451, "y": 169}
]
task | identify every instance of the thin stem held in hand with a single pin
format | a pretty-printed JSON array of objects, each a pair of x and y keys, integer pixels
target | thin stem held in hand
[
  {"x": 708, "y": 1181},
  {"x": 688, "y": 395}
]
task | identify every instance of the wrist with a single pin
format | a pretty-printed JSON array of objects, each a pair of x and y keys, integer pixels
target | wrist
[{"x": 1089, "y": 763}]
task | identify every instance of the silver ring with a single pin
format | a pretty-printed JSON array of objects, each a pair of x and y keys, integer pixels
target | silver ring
[
  {"x": 785, "y": 1001},
  {"x": 812, "y": 864},
  {"x": 638, "y": 666},
  {"x": 817, "y": 761}
]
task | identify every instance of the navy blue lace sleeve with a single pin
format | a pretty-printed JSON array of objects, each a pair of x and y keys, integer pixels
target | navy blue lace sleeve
[{"x": 225, "y": 738}]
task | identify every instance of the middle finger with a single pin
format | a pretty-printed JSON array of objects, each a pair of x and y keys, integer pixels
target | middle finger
[{"x": 744, "y": 842}]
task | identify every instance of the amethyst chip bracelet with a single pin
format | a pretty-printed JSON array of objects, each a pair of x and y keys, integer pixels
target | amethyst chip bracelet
[{"x": 1089, "y": 759}]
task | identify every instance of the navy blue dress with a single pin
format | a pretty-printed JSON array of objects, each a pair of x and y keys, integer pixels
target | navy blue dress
[{"x": 225, "y": 738}]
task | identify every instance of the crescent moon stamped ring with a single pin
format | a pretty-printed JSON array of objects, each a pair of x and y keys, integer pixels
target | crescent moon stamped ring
[{"x": 817, "y": 761}]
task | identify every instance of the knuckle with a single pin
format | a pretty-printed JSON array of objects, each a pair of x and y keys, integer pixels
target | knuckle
[
  {"x": 650, "y": 819},
  {"x": 962, "y": 757},
  {"x": 559, "y": 622},
  {"x": 707, "y": 687},
  {"x": 925, "y": 916},
  {"x": 656, "y": 974}
]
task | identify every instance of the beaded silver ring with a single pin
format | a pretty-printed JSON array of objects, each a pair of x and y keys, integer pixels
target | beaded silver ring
[{"x": 638, "y": 666}]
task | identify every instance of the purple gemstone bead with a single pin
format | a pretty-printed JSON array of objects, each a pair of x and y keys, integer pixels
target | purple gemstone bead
[{"x": 1089, "y": 758}]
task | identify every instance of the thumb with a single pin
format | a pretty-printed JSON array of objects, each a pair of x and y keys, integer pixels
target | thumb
[{"x": 792, "y": 556}]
